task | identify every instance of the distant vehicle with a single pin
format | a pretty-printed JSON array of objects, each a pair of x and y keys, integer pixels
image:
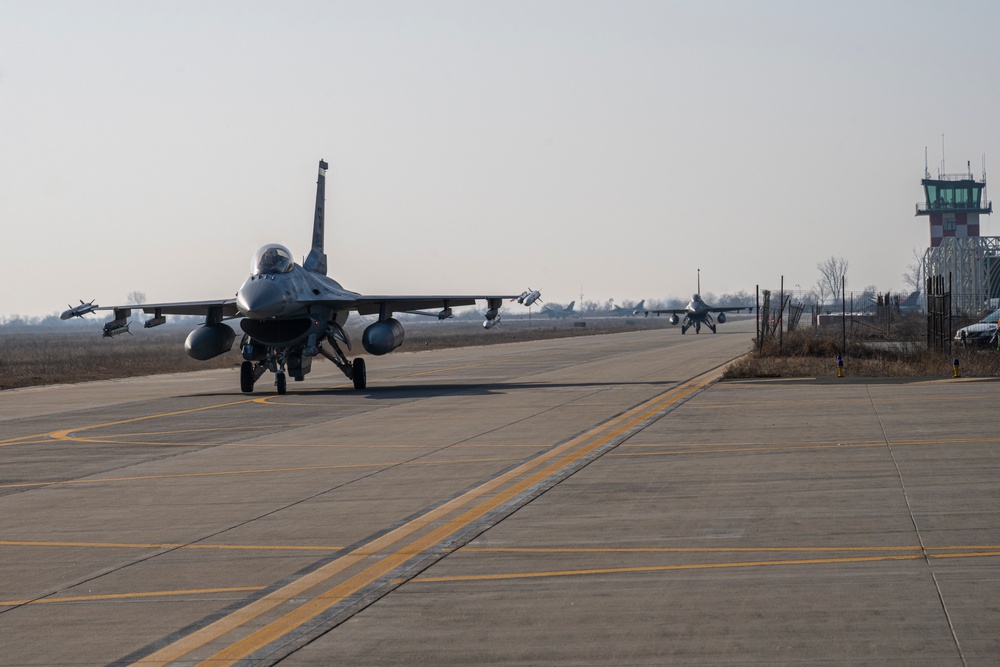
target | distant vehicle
[
  {"x": 983, "y": 332},
  {"x": 553, "y": 310},
  {"x": 625, "y": 311},
  {"x": 290, "y": 312}
]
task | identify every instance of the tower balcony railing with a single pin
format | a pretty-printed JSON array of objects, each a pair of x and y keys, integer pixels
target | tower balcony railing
[{"x": 957, "y": 207}]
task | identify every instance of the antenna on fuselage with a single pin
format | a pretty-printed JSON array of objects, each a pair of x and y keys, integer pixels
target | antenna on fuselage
[{"x": 316, "y": 261}]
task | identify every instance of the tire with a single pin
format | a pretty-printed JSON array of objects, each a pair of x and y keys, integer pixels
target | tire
[
  {"x": 359, "y": 374},
  {"x": 246, "y": 377},
  {"x": 281, "y": 383}
]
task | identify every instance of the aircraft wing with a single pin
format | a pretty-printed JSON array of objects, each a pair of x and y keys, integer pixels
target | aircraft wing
[
  {"x": 685, "y": 311},
  {"x": 732, "y": 309},
  {"x": 227, "y": 306},
  {"x": 375, "y": 304}
]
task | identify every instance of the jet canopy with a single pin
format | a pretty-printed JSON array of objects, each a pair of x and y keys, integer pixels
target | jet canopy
[{"x": 271, "y": 259}]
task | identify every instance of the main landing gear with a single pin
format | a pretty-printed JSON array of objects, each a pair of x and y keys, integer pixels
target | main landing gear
[
  {"x": 697, "y": 327},
  {"x": 354, "y": 371},
  {"x": 274, "y": 360},
  {"x": 249, "y": 374}
]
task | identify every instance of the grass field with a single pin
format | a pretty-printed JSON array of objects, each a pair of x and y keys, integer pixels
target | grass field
[
  {"x": 37, "y": 356},
  {"x": 813, "y": 353}
]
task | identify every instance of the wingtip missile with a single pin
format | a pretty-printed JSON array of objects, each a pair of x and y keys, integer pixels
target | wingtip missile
[
  {"x": 79, "y": 311},
  {"x": 529, "y": 296}
]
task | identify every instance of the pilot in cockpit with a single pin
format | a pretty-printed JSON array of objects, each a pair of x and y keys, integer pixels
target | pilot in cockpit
[{"x": 272, "y": 259}]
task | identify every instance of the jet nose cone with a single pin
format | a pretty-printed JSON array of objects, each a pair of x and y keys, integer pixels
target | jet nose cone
[{"x": 260, "y": 299}]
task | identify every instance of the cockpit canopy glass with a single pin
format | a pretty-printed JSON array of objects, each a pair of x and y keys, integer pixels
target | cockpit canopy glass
[{"x": 271, "y": 259}]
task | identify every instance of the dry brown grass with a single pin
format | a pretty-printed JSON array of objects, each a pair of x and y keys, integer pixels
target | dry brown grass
[
  {"x": 813, "y": 353},
  {"x": 39, "y": 356},
  {"x": 45, "y": 357},
  {"x": 36, "y": 357}
]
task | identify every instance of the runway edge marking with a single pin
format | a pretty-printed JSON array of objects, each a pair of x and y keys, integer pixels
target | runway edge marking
[{"x": 360, "y": 590}]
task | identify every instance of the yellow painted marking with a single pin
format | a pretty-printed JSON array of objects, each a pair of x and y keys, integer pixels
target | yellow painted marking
[
  {"x": 139, "y": 545},
  {"x": 263, "y": 636},
  {"x": 723, "y": 449},
  {"x": 25, "y": 439},
  {"x": 995, "y": 551},
  {"x": 207, "y": 430},
  {"x": 125, "y": 596},
  {"x": 66, "y": 434},
  {"x": 662, "y": 568},
  {"x": 730, "y": 450},
  {"x": 969, "y": 555},
  {"x": 682, "y": 550},
  {"x": 260, "y": 471}
]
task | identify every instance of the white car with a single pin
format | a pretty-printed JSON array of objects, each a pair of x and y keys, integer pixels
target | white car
[{"x": 980, "y": 333}]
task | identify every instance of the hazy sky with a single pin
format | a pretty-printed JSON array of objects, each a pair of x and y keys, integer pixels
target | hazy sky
[{"x": 608, "y": 147}]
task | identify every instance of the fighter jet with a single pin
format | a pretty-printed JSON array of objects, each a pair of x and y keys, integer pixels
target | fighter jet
[
  {"x": 290, "y": 314},
  {"x": 555, "y": 311},
  {"x": 697, "y": 312},
  {"x": 624, "y": 311}
]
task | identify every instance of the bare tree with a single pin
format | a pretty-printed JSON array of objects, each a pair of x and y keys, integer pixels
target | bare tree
[
  {"x": 914, "y": 278},
  {"x": 831, "y": 273},
  {"x": 135, "y": 297}
]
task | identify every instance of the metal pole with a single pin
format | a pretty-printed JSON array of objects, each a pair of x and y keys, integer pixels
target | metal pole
[
  {"x": 843, "y": 315},
  {"x": 781, "y": 315},
  {"x": 758, "y": 318}
]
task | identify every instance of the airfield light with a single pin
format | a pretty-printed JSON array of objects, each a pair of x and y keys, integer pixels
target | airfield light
[
  {"x": 840, "y": 366},
  {"x": 955, "y": 368}
]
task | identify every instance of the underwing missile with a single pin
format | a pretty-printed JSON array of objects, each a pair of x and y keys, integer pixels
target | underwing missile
[{"x": 116, "y": 330}]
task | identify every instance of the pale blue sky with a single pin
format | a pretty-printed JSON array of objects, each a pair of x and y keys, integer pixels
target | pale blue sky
[{"x": 480, "y": 146}]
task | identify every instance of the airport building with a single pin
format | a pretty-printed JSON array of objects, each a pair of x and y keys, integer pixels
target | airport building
[{"x": 953, "y": 204}]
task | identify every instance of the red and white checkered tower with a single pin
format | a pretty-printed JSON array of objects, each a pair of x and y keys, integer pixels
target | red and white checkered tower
[{"x": 953, "y": 202}]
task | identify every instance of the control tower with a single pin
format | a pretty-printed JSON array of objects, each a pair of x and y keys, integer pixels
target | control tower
[{"x": 953, "y": 203}]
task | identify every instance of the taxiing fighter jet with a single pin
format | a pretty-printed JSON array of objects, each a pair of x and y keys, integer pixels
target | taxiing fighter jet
[
  {"x": 291, "y": 313},
  {"x": 625, "y": 311},
  {"x": 697, "y": 312}
]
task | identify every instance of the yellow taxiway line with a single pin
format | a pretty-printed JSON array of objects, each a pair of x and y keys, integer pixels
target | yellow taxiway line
[{"x": 505, "y": 488}]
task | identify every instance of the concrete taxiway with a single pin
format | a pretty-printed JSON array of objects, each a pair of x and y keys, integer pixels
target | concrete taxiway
[{"x": 591, "y": 500}]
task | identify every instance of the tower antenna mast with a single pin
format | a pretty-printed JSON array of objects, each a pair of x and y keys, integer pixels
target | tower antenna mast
[{"x": 943, "y": 170}]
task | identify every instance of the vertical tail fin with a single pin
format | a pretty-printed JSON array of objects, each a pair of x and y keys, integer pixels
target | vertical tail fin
[{"x": 316, "y": 261}]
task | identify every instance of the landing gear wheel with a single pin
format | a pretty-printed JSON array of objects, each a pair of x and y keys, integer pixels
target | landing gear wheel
[
  {"x": 359, "y": 374},
  {"x": 246, "y": 377},
  {"x": 280, "y": 383}
]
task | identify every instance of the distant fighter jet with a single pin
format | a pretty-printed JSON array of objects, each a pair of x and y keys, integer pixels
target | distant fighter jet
[
  {"x": 290, "y": 311},
  {"x": 697, "y": 312},
  {"x": 621, "y": 311},
  {"x": 554, "y": 311}
]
